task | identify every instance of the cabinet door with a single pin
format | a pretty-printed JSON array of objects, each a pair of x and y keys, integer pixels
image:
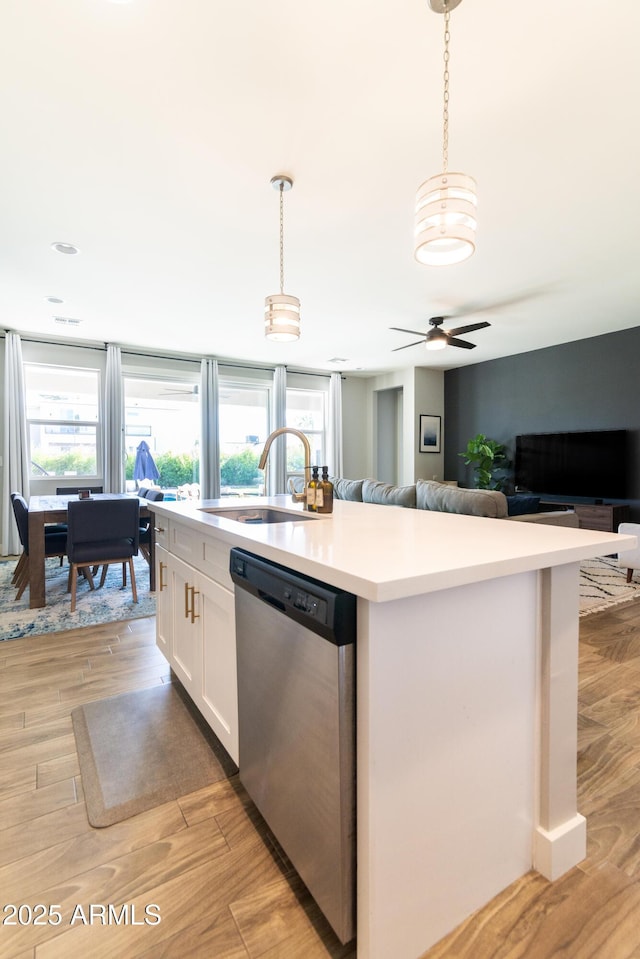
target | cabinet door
[
  {"x": 186, "y": 653},
  {"x": 164, "y": 605},
  {"x": 218, "y": 694}
]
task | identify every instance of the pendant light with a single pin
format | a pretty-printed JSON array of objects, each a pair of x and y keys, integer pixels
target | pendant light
[
  {"x": 281, "y": 312},
  {"x": 445, "y": 221}
]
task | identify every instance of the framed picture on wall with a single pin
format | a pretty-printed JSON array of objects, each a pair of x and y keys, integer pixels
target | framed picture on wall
[{"x": 429, "y": 433}]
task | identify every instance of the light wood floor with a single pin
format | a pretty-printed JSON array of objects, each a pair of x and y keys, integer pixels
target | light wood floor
[{"x": 223, "y": 889}]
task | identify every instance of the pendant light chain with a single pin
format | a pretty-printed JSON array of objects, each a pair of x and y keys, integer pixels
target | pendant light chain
[
  {"x": 445, "y": 113},
  {"x": 281, "y": 238}
]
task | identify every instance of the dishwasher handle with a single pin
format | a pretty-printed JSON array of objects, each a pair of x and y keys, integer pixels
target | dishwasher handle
[{"x": 266, "y": 598}]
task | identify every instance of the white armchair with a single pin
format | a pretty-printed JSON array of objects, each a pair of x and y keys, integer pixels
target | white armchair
[{"x": 630, "y": 559}]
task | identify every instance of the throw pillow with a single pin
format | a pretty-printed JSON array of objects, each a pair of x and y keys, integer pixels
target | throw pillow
[{"x": 520, "y": 504}]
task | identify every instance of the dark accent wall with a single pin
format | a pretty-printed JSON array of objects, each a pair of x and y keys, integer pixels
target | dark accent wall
[{"x": 585, "y": 385}]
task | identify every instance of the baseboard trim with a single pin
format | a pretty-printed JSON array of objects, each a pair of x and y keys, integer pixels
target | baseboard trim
[{"x": 558, "y": 850}]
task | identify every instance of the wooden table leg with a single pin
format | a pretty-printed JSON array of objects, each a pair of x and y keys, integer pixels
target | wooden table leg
[{"x": 37, "y": 596}]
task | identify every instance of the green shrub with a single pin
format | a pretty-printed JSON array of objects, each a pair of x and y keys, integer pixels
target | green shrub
[
  {"x": 174, "y": 469},
  {"x": 240, "y": 469},
  {"x": 75, "y": 464}
]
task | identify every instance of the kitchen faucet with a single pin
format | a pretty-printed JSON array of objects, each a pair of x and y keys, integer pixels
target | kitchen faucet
[{"x": 297, "y": 497}]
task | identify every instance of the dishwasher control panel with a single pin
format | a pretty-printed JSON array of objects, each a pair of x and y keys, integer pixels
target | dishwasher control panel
[
  {"x": 312, "y": 605},
  {"x": 325, "y": 609}
]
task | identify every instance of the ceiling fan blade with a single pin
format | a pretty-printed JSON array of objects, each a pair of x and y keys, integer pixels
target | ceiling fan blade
[
  {"x": 467, "y": 329},
  {"x": 408, "y": 345},
  {"x": 463, "y": 343},
  {"x": 400, "y": 329}
]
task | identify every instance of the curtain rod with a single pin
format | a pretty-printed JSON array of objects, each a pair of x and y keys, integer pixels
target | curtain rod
[{"x": 182, "y": 358}]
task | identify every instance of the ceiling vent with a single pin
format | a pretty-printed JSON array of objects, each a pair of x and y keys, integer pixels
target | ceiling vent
[{"x": 67, "y": 321}]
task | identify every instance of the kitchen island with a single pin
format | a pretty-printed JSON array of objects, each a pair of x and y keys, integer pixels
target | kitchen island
[{"x": 466, "y": 684}]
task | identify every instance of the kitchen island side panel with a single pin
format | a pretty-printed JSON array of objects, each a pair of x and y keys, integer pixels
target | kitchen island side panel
[{"x": 447, "y": 729}]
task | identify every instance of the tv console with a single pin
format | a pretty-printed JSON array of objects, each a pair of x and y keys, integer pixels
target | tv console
[{"x": 602, "y": 516}]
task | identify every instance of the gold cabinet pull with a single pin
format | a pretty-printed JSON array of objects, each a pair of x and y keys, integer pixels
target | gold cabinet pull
[
  {"x": 194, "y": 592},
  {"x": 161, "y": 567},
  {"x": 158, "y": 529},
  {"x": 190, "y": 608}
]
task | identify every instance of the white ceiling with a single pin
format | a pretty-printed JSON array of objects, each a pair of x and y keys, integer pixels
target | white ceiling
[{"x": 147, "y": 132}]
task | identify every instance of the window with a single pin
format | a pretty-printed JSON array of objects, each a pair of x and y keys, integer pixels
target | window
[
  {"x": 244, "y": 427},
  {"x": 63, "y": 421},
  {"x": 306, "y": 411},
  {"x": 164, "y": 414}
]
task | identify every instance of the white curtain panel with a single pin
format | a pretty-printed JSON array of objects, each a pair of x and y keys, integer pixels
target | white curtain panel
[
  {"x": 278, "y": 455},
  {"x": 15, "y": 463},
  {"x": 113, "y": 451},
  {"x": 335, "y": 425},
  {"x": 209, "y": 430}
]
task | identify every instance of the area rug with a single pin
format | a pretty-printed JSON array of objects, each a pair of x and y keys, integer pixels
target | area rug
[
  {"x": 141, "y": 749},
  {"x": 109, "y": 604},
  {"x": 603, "y": 584}
]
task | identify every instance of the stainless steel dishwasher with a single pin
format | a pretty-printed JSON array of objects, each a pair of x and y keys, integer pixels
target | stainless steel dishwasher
[{"x": 295, "y": 649}]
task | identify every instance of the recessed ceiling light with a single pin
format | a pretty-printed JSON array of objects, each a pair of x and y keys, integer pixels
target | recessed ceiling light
[
  {"x": 338, "y": 359},
  {"x": 53, "y": 299},
  {"x": 68, "y": 248}
]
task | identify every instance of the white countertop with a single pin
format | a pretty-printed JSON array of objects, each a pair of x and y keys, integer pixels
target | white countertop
[{"x": 389, "y": 552}]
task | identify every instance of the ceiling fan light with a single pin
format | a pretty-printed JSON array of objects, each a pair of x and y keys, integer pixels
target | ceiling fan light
[
  {"x": 282, "y": 317},
  {"x": 436, "y": 339},
  {"x": 445, "y": 219}
]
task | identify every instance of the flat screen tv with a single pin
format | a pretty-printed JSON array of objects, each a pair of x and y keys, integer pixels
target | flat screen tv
[{"x": 585, "y": 463}]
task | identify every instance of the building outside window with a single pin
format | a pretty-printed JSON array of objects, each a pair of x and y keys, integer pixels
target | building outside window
[{"x": 63, "y": 421}]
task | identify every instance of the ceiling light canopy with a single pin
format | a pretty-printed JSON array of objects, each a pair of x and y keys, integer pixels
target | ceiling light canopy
[
  {"x": 281, "y": 311},
  {"x": 445, "y": 216}
]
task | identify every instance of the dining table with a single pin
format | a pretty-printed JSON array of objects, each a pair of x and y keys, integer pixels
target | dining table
[{"x": 53, "y": 509}]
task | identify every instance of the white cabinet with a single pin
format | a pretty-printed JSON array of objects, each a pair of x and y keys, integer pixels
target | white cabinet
[
  {"x": 195, "y": 627},
  {"x": 218, "y": 699}
]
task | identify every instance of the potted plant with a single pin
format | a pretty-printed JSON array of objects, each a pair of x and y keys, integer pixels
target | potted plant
[{"x": 487, "y": 457}]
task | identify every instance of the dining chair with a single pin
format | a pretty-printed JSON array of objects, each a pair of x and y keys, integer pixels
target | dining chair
[
  {"x": 153, "y": 495},
  {"x": 102, "y": 533},
  {"x": 55, "y": 543}
]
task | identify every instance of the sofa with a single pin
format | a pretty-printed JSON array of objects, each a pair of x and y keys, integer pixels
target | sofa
[{"x": 445, "y": 498}]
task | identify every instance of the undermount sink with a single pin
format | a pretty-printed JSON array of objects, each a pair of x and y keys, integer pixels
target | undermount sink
[{"x": 255, "y": 515}]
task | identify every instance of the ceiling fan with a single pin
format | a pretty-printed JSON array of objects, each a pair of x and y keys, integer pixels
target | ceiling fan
[{"x": 437, "y": 338}]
